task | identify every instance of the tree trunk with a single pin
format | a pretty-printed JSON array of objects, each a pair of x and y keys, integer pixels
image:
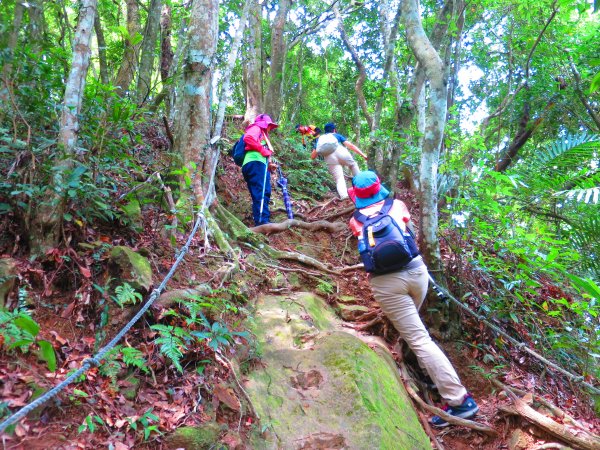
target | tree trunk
[
  {"x": 130, "y": 55},
  {"x": 13, "y": 39},
  {"x": 233, "y": 55},
  {"x": 362, "y": 72},
  {"x": 278, "y": 52},
  {"x": 48, "y": 220},
  {"x": 37, "y": 24},
  {"x": 102, "y": 61},
  {"x": 254, "y": 103},
  {"x": 193, "y": 124},
  {"x": 428, "y": 57},
  {"x": 166, "y": 50},
  {"x": 146, "y": 71}
]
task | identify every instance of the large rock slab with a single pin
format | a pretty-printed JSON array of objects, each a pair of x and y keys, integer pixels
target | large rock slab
[{"x": 321, "y": 388}]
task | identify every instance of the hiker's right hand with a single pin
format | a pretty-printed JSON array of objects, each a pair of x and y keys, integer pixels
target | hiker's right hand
[{"x": 272, "y": 167}]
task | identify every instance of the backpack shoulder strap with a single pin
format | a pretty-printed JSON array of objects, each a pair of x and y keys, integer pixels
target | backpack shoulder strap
[{"x": 387, "y": 205}]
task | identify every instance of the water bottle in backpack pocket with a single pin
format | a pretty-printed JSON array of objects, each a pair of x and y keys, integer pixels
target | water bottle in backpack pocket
[{"x": 384, "y": 247}]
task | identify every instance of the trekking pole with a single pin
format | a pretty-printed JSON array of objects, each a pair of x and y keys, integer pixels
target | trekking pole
[
  {"x": 262, "y": 198},
  {"x": 287, "y": 201}
]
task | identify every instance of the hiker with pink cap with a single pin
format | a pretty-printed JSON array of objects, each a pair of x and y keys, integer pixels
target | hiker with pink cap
[{"x": 257, "y": 167}]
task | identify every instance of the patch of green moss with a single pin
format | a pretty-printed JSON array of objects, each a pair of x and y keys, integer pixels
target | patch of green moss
[
  {"x": 135, "y": 268},
  {"x": 195, "y": 438}
]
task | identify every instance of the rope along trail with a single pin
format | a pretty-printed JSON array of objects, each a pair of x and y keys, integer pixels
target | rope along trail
[
  {"x": 443, "y": 294},
  {"x": 95, "y": 360}
]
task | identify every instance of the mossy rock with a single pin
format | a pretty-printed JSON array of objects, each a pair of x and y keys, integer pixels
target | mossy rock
[
  {"x": 200, "y": 437},
  {"x": 133, "y": 268},
  {"x": 323, "y": 388}
]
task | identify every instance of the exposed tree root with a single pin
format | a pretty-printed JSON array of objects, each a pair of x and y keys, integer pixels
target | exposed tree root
[
  {"x": 340, "y": 213},
  {"x": 323, "y": 206},
  {"x": 558, "y": 413},
  {"x": 299, "y": 257},
  {"x": 408, "y": 384},
  {"x": 583, "y": 440},
  {"x": 227, "y": 363},
  {"x": 270, "y": 228},
  {"x": 167, "y": 299},
  {"x": 377, "y": 320},
  {"x": 354, "y": 267}
]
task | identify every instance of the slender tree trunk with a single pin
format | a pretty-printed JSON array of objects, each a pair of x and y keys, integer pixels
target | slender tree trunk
[
  {"x": 101, "y": 50},
  {"x": 48, "y": 221},
  {"x": 193, "y": 122},
  {"x": 389, "y": 33},
  {"x": 362, "y": 72},
  {"x": 37, "y": 24},
  {"x": 166, "y": 59},
  {"x": 429, "y": 58},
  {"x": 254, "y": 101},
  {"x": 174, "y": 68},
  {"x": 11, "y": 45},
  {"x": 146, "y": 71},
  {"x": 166, "y": 50},
  {"x": 278, "y": 52},
  {"x": 130, "y": 55},
  {"x": 233, "y": 55}
]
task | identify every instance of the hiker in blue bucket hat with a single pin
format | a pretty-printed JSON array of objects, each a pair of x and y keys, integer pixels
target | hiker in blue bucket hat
[{"x": 399, "y": 281}]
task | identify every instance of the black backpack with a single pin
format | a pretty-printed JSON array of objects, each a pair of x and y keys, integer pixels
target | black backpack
[
  {"x": 238, "y": 151},
  {"x": 384, "y": 246}
]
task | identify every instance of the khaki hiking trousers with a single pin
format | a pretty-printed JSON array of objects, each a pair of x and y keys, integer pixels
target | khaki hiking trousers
[
  {"x": 335, "y": 164},
  {"x": 400, "y": 295}
]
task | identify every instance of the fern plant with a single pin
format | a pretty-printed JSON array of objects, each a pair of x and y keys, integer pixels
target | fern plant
[
  {"x": 173, "y": 342},
  {"x": 126, "y": 294},
  {"x": 19, "y": 330},
  {"x": 566, "y": 168}
]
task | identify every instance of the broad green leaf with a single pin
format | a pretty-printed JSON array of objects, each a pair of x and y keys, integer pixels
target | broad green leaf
[
  {"x": 27, "y": 324},
  {"x": 47, "y": 354}
]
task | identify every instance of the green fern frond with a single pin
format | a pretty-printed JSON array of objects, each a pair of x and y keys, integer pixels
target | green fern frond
[
  {"x": 170, "y": 345},
  {"x": 568, "y": 150},
  {"x": 582, "y": 195},
  {"x": 585, "y": 236},
  {"x": 134, "y": 357}
]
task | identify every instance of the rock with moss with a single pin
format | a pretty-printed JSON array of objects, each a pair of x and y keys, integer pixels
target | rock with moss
[
  {"x": 200, "y": 437},
  {"x": 132, "y": 267},
  {"x": 318, "y": 387},
  {"x": 351, "y": 312},
  {"x": 8, "y": 275}
]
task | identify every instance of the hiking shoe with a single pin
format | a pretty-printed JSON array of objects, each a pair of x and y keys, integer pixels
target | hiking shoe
[{"x": 466, "y": 410}]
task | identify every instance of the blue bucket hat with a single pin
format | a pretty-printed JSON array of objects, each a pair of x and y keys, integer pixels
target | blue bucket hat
[{"x": 367, "y": 189}]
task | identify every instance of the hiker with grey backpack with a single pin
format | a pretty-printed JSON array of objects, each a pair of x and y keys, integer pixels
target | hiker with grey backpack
[
  {"x": 333, "y": 147},
  {"x": 399, "y": 281}
]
